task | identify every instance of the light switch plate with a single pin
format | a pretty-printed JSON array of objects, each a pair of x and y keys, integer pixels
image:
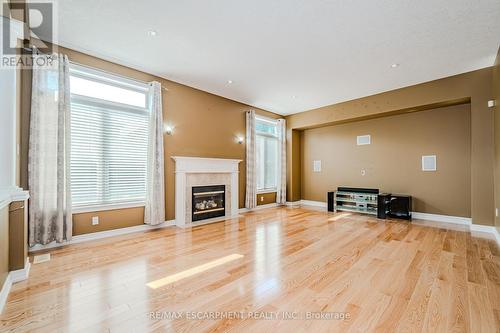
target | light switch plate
[
  {"x": 95, "y": 220},
  {"x": 317, "y": 166}
]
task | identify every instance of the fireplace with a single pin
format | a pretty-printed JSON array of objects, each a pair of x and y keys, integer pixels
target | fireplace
[
  {"x": 192, "y": 172},
  {"x": 208, "y": 202}
]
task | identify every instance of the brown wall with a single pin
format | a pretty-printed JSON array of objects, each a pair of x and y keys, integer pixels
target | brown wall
[
  {"x": 18, "y": 235},
  {"x": 496, "y": 96},
  {"x": 204, "y": 124},
  {"x": 473, "y": 86},
  {"x": 4, "y": 244},
  {"x": 108, "y": 220},
  {"x": 392, "y": 162},
  {"x": 294, "y": 165},
  {"x": 266, "y": 198}
]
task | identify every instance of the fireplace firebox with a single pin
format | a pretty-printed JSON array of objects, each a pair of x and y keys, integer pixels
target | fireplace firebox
[{"x": 208, "y": 202}]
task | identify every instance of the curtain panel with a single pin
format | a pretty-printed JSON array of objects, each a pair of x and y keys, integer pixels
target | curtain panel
[
  {"x": 49, "y": 151},
  {"x": 154, "y": 212},
  {"x": 281, "y": 191},
  {"x": 251, "y": 183}
]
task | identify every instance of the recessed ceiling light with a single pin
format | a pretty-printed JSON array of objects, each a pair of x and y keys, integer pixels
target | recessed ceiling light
[
  {"x": 152, "y": 33},
  {"x": 294, "y": 97},
  {"x": 229, "y": 81},
  {"x": 394, "y": 65}
]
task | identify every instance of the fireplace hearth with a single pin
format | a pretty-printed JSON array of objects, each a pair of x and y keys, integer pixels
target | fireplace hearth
[{"x": 208, "y": 202}]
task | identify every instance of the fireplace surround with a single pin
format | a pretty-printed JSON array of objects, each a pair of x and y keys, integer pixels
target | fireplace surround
[{"x": 193, "y": 172}]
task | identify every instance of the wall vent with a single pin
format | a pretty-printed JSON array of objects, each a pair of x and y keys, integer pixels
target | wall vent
[
  {"x": 429, "y": 163},
  {"x": 363, "y": 140}
]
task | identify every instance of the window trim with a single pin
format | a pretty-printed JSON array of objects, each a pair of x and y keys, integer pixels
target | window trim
[
  {"x": 266, "y": 119},
  {"x": 103, "y": 76},
  {"x": 113, "y": 105},
  {"x": 268, "y": 135},
  {"x": 267, "y": 190},
  {"x": 100, "y": 208}
]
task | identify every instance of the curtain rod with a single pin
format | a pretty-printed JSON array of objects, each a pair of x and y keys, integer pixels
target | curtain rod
[
  {"x": 32, "y": 49},
  {"x": 119, "y": 75}
]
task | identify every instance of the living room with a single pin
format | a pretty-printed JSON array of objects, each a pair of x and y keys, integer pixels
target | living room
[{"x": 319, "y": 166}]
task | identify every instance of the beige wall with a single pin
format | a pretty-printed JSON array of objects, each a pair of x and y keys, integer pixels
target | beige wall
[
  {"x": 4, "y": 244},
  {"x": 496, "y": 96},
  {"x": 205, "y": 125},
  {"x": 392, "y": 161},
  {"x": 473, "y": 86}
]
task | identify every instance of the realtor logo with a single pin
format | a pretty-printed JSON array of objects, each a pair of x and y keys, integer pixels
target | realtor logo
[{"x": 41, "y": 27}]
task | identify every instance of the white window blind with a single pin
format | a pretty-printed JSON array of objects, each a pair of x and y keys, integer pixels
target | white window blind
[
  {"x": 266, "y": 137},
  {"x": 109, "y": 138}
]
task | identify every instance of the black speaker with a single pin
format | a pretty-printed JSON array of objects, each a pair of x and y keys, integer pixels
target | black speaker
[
  {"x": 330, "y": 200},
  {"x": 400, "y": 207},
  {"x": 383, "y": 205}
]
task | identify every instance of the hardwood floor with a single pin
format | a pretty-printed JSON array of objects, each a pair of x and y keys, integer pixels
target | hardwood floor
[{"x": 284, "y": 264}]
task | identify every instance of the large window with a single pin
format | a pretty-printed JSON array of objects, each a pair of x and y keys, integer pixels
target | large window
[
  {"x": 109, "y": 139},
  {"x": 266, "y": 136}
]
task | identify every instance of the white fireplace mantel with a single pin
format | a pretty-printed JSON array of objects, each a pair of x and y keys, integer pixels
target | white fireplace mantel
[{"x": 185, "y": 166}]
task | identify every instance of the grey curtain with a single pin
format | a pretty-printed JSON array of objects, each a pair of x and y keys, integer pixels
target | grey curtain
[
  {"x": 281, "y": 193},
  {"x": 49, "y": 151},
  {"x": 154, "y": 212},
  {"x": 251, "y": 186}
]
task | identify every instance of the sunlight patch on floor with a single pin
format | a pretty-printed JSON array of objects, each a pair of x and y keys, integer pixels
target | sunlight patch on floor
[
  {"x": 193, "y": 271},
  {"x": 340, "y": 216}
]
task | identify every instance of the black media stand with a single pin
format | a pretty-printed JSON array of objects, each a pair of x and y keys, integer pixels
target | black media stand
[
  {"x": 394, "y": 205},
  {"x": 370, "y": 201}
]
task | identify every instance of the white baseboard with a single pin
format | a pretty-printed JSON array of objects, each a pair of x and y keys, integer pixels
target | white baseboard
[
  {"x": 313, "y": 203},
  {"x": 13, "y": 277},
  {"x": 442, "y": 218},
  {"x": 4, "y": 293},
  {"x": 21, "y": 274},
  {"x": 493, "y": 231},
  {"x": 103, "y": 234},
  {"x": 271, "y": 205},
  {"x": 306, "y": 203},
  {"x": 497, "y": 236}
]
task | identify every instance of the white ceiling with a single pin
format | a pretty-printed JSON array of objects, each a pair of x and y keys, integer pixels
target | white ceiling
[{"x": 287, "y": 56}]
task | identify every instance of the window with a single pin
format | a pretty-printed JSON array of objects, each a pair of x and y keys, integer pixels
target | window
[
  {"x": 109, "y": 139},
  {"x": 266, "y": 137}
]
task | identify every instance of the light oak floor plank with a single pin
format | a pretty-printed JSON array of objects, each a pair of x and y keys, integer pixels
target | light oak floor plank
[{"x": 273, "y": 270}]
